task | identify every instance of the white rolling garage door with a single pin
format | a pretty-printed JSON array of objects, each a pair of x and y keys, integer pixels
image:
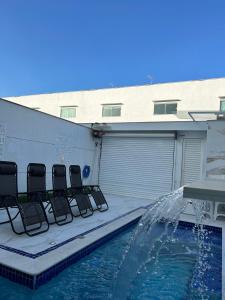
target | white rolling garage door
[
  {"x": 191, "y": 160},
  {"x": 137, "y": 166}
]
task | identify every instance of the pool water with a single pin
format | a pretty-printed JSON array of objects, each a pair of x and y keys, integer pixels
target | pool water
[{"x": 170, "y": 275}]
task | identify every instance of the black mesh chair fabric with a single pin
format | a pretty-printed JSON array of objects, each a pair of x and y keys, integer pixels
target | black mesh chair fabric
[
  {"x": 82, "y": 198},
  {"x": 36, "y": 182},
  {"x": 59, "y": 201},
  {"x": 8, "y": 184},
  {"x": 96, "y": 193},
  {"x": 60, "y": 205},
  {"x": 83, "y": 202},
  {"x": 7, "y": 201},
  {"x": 98, "y": 197},
  {"x": 36, "y": 178},
  {"x": 59, "y": 177},
  {"x": 32, "y": 213},
  {"x": 75, "y": 177}
]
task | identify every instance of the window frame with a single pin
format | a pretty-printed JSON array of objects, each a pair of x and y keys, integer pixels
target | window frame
[
  {"x": 111, "y": 106},
  {"x": 68, "y": 107},
  {"x": 222, "y": 100},
  {"x": 165, "y": 104}
]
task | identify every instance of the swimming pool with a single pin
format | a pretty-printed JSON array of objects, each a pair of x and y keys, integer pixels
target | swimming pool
[{"x": 170, "y": 276}]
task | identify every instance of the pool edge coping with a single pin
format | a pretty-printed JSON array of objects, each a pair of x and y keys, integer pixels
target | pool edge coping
[{"x": 33, "y": 279}]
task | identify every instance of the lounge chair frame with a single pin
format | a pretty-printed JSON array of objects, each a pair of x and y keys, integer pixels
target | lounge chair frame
[
  {"x": 11, "y": 199},
  {"x": 60, "y": 192},
  {"x": 77, "y": 192},
  {"x": 98, "y": 197},
  {"x": 93, "y": 190},
  {"x": 37, "y": 188}
]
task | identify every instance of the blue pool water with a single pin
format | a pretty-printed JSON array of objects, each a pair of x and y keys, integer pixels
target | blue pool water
[{"x": 172, "y": 275}]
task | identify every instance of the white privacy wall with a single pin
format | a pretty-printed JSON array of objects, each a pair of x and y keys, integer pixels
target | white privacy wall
[
  {"x": 216, "y": 150},
  {"x": 31, "y": 136}
]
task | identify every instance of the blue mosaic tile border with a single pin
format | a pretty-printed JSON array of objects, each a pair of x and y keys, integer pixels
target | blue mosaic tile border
[
  {"x": 35, "y": 282},
  {"x": 38, "y": 254},
  {"x": 208, "y": 227},
  {"x": 56, "y": 269},
  {"x": 17, "y": 276}
]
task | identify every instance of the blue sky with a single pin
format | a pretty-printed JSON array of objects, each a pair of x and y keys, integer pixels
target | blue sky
[{"x": 64, "y": 45}]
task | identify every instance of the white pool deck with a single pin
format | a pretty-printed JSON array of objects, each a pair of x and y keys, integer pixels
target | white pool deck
[
  {"x": 39, "y": 253},
  {"x": 82, "y": 232}
]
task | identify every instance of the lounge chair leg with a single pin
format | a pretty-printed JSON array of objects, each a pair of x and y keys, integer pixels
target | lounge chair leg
[
  {"x": 34, "y": 229},
  {"x": 85, "y": 215},
  {"x": 12, "y": 225},
  {"x": 101, "y": 209}
]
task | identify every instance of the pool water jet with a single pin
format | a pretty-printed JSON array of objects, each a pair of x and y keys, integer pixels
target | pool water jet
[{"x": 150, "y": 239}]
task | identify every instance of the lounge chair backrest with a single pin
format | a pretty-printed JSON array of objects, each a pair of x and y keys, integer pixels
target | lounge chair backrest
[
  {"x": 36, "y": 178},
  {"x": 59, "y": 177},
  {"x": 31, "y": 213},
  {"x": 75, "y": 176},
  {"x": 8, "y": 178}
]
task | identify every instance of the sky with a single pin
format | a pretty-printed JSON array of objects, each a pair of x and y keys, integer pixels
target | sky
[{"x": 67, "y": 45}]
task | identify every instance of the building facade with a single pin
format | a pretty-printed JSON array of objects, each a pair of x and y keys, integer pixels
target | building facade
[
  {"x": 146, "y": 103},
  {"x": 142, "y": 160}
]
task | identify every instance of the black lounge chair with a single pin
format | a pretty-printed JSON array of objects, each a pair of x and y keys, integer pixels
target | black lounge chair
[
  {"x": 60, "y": 205},
  {"x": 93, "y": 190},
  {"x": 36, "y": 183},
  {"x": 77, "y": 192},
  {"x": 32, "y": 213},
  {"x": 99, "y": 198}
]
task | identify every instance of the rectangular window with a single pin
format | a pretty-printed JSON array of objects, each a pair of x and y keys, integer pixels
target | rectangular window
[
  {"x": 165, "y": 108},
  {"x": 111, "y": 110},
  {"x": 68, "y": 112},
  {"x": 222, "y": 105}
]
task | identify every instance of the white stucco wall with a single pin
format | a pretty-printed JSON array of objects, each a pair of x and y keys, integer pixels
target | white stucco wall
[
  {"x": 216, "y": 150},
  {"x": 30, "y": 136},
  {"x": 137, "y": 101}
]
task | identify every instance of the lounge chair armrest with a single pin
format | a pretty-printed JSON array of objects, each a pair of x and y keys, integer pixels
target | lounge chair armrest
[
  {"x": 92, "y": 187},
  {"x": 71, "y": 189},
  {"x": 79, "y": 190},
  {"x": 31, "y": 193},
  {"x": 58, "y": 192},
  {"x": 41, "y": 196},
  {"x": 5, "y": 198}
]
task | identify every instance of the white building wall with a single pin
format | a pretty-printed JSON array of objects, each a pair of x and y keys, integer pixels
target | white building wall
[
  {"x": 216, "y": 150},
  {"x": 137, "y": 101},
  {"x": 30, "y": 136}
]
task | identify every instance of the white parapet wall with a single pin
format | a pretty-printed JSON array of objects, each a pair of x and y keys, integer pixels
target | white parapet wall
[
  {"x": 28, "y": 136},
  {"x": 137, "y": 102}
]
